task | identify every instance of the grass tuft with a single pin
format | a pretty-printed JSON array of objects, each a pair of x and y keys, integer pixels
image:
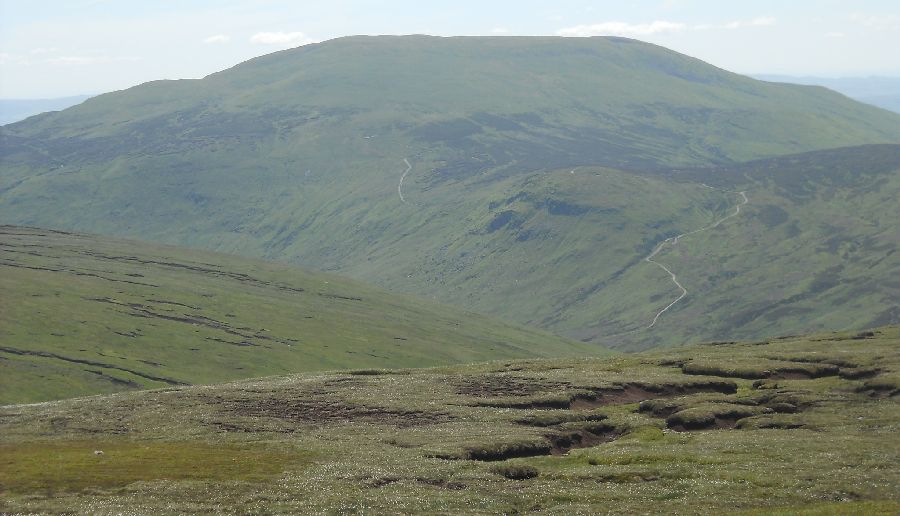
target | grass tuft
[
  {"x": 515, "y": 471},
  {"x": 49, "y": 467}
]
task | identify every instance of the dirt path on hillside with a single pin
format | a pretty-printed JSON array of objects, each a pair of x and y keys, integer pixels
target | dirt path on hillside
[
  {"x": 400, "y": 185},
  {"x": 673, "y": 241}
]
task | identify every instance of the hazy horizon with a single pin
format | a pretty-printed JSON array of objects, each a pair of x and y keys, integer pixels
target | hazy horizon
[
  {"x": 760, "y": 75},
  {"x": 763, "y": 75},
  {"x": 101, "y": 46}
]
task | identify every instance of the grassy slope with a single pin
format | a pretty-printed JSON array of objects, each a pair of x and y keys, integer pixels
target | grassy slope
[
  {"x": 297, "y": 156},
  {"x": 798, "y": 423},
  {"x": 815, "y": 248},
  {"x": 86, "y": 315},
  {"x": 563, "y": 249}
]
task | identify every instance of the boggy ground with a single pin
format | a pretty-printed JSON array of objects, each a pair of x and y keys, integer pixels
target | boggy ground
[{"x": 795, "y": 423}]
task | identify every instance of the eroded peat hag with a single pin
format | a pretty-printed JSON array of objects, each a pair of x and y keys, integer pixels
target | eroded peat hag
[
  {"x": 494, "y": 434},
  {"x": 308, "y": 410},
  {"x": 585, "y": 398},
  {"x": 558, "y": 442}
]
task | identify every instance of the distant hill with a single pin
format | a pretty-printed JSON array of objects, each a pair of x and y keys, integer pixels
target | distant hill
[
  {"x": 14, "y": 110},
  {"x": 883, "y": 92},
  {"x": 83, "y": 315},
  {"x": 522, "y": 177}
]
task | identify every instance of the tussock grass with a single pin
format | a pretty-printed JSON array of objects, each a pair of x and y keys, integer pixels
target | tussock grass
[
  {"x": 52, "y": 466},
  {"x": 419, "y": 442},
  {"x": 516, "y": 471}
]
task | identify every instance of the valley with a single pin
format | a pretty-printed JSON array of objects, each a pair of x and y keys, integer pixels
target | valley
[{"x": 536, "y": 205}]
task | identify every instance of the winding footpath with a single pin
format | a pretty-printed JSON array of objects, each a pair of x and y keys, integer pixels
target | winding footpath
[
  {"x": 400, "y": 186},
  {"x": 674, "y": 241}
]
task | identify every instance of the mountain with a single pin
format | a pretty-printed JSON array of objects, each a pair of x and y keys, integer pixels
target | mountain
[
  {"x": 83, "y": 315},
  {"x": 883, "y": 92},
  {"x": 527, "y": 178},
  {"x": 797, "y": 425},
  {"x": 14, "y": 110}
]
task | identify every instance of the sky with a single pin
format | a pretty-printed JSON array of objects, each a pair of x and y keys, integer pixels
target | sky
[{"x": 61, "y": 48}]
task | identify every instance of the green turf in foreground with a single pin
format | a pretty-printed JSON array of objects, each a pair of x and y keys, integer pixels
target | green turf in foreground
[
  {"x": 75, "y": 466},
  {"x": 812, "y": 432}
]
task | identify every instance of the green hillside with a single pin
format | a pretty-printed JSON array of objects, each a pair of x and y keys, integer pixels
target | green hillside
[
  {"x": 813, "y": 249},
  {"x": 520, "y": 177},
  {"x": 84, "y": 315},
  {"x": 802, "y": 425},
  {"x": 516, "y": 99}
]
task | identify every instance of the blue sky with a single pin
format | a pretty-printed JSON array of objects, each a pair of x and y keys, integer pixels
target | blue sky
[{"x": 59, "y": 48}]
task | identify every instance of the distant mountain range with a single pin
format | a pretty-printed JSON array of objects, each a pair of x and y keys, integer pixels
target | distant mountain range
[
  {"x": 13, "y": 110},
  {"x": 883, "y": 92},
  {"x": 528, "y": 178}
]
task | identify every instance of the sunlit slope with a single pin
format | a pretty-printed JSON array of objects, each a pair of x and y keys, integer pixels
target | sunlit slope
[
  {"x": 521, "y": 197},
  {"x": 85, "y": 315},
  {"x": 813, "y": 249},
  {"x": 640, "y": 100},
  {"x": 223, "y": 161}
]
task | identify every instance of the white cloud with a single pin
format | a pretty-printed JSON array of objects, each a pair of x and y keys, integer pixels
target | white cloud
[
  {"x": 885, "y": 22},
  {"x": 77, "y": 60},
  {"x": 617, "y": 28},
  {"x": 834, "y": 34},
  {"x": 621, "y": 29},
  {"x": 218, "y": 38},
  {"x": 500, "y": 30},
  {"x": 6, "y": 58},
  {"x": 87, "y": 60},
  {"x": 280, "y": 38},
  {"x": 41, "y": 50},
  {"x": 763, "y": 21}
]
